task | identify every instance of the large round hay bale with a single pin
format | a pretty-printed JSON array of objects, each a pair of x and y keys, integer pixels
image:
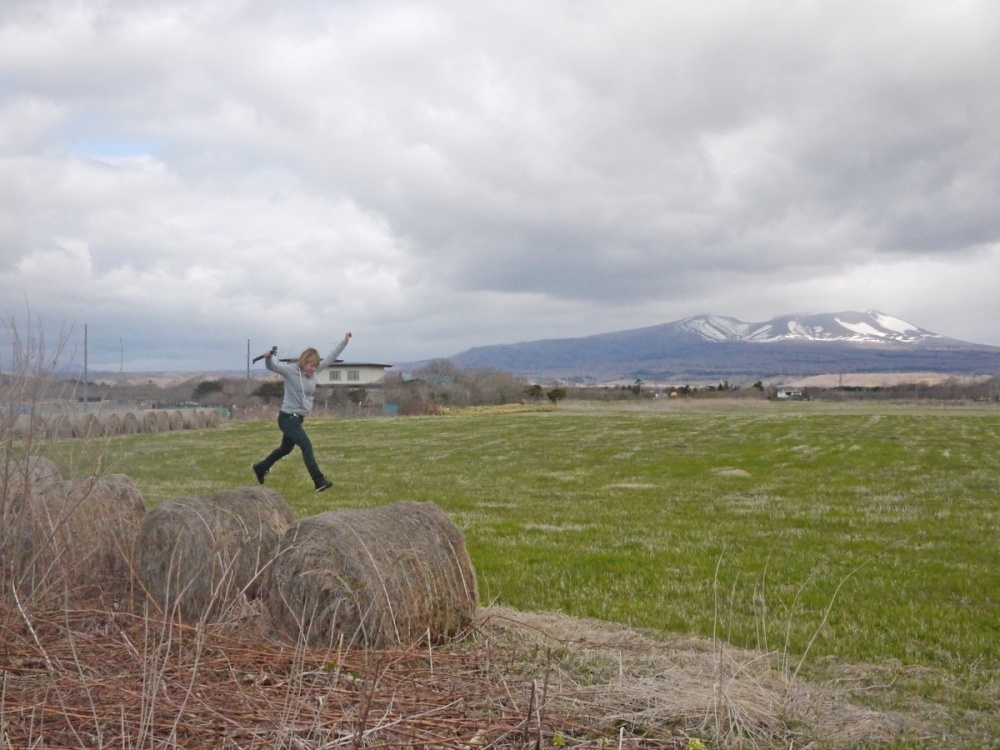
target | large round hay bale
[
  {"x": 162, "y": 421},
  {"x": 19, "y": 426},
  {"x": 196, "y": 556},
  {"x": 28, "y": 426},
  {"x": 191, "y": 419},
  {"x": 386, "y": 576},
  {"x": 76, "y": 537},
  {"x": 87, "y": 425},
  {"x": 176, "y": 420},
  {"x": 130, "y": 423},
  {"x": 111, "y": 424},
  {"x": 20, "y": 475},
  {"x": 147, "y": 420},
  {"x": 59, "y": 425},
  {"x": 212, "y": 418}
]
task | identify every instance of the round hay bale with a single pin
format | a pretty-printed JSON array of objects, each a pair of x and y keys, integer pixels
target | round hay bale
[
  {"x": 111, "y": 424},
  {"x": 212, "y": 418},
  {"x": 27, "y": 426},
  {"x": 21, "y": 475},
  {"x": 76, "y": 537},
  {"x": 176, "y": 420},
  {"x": 130, "y": 423},
  {"x": 162, "y": 421},
  {"x": 87, "y": 425},
  {"x": 196, "y": 556},
  {"x": 190, "y": 419},
  {"x": 59, "y": 425},
  {"x": 387, "y": 576},
  {"x": 147, "y": 421}
]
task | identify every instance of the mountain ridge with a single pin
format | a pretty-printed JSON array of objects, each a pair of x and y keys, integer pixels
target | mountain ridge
[
  {"x": 709, "y": 346},
  {"x": 871, "y": 326}
]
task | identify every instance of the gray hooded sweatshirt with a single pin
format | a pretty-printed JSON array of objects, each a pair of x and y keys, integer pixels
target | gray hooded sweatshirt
[{"x": 299, "y": 387}]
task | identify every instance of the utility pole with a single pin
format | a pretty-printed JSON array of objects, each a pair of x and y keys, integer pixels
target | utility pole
[{"x": 85, "y": 378}]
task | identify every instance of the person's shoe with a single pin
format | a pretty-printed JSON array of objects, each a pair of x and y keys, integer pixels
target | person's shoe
[
  {"x": 260, "y": 472},
  {"x": 323, "y": 484}
]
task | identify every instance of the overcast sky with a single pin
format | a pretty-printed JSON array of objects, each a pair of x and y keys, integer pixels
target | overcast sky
[{"x": 185, "y": 176}]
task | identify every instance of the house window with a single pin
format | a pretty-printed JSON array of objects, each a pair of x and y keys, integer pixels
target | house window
[
  {"x": 335, "y": 375},
  {"x": 354, "y": 374}
]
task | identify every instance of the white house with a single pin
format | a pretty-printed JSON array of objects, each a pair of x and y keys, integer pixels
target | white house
[
  {"x": 786, "y": 393},
  {"x": 353, "y": 374}
]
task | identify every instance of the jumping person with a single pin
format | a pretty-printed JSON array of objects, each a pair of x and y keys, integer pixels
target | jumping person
[{"x": 300, "y": 387}]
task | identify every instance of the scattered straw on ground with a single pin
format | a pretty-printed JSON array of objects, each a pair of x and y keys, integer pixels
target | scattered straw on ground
[{"x": 92, "y": 679}]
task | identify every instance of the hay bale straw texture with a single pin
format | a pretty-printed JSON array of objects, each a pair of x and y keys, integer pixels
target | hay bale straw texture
[
  {"x": 111, "y": 424},
  {"x": 380, "y": 577},
  {"x": 130, "y": 424},
  {"x": 148, "y": 421},
  {"x": 19, "y": 475},
  {"x": 162, "y": 421},
  {"x": 75, "y": 538},
  {"x": 197, "y": 556},
  {"x": 59, "y": 425},
  {"x": 86, "y": 426}
]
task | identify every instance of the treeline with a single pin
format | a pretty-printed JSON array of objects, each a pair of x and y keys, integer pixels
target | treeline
[
  {"x": 427, "y": 390},
  {"x": 951, "y": 389},
  {"x": 441, "y": 384}
]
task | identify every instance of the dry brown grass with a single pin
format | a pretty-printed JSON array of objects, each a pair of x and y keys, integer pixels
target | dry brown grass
[
  {"x": 661, "y": 687},
  {"x": 89, "y": 679},
  {"x": 74, "y": 537}
]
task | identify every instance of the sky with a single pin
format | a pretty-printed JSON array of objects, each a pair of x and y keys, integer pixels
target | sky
[{"x": 187, "y": 180}]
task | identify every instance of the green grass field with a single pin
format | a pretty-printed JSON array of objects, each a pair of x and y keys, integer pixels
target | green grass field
[{"x": 861, "y": 534}]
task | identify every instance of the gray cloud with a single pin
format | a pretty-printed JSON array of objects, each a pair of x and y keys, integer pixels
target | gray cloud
[{"x": 438, "y": 175}]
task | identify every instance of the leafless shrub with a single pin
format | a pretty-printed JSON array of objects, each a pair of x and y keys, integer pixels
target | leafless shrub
[
  {"x": 74, "y": 539},
  {"x": 25, "y": 391}
]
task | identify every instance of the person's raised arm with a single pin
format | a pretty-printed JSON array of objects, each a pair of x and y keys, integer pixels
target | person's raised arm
[{"x": 332, "y": 356}]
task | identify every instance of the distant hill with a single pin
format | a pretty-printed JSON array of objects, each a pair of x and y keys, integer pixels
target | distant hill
[{"x": 713, "y": 347}]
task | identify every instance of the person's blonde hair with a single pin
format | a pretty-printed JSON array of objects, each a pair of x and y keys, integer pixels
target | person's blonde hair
[{"x": 309, "y": 355}]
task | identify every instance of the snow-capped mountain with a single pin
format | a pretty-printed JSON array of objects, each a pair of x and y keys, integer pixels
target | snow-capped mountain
[
  {"x": 715, "y": 346},
  {"x": 871, "y": 326}
]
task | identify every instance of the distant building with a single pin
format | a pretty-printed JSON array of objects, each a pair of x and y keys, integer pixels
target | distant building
[
  {"x": 787, "y": 393},
  {"x": 353, "y": 374}
]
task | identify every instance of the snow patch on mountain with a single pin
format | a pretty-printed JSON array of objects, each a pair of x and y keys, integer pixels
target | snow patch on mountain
[
  {"x": 717, "y": 328},
  {"x": 891, "y": 323},
  {"x": 870, "y": 326},
  {"x": 863, "y": 328}
]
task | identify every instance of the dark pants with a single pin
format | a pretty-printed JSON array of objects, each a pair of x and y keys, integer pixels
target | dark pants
[{"x": 293, "y": 434}]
